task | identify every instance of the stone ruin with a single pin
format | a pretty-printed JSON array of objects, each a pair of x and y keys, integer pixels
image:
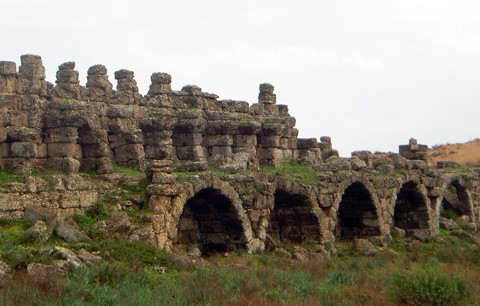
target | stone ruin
[{"x": 69, "y": 128}]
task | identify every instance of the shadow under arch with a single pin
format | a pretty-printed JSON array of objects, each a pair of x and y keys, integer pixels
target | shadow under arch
[
  {"x": 210, "y": 222},
  {"x": 455, "y": 200},
  {"x": 357, "y": 214},
  {"x": 292, "y": 219},
  {"x": 411, "y": 209}
]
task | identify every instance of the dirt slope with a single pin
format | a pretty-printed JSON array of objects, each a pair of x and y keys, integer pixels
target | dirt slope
[{"x": 462, "y": 153}]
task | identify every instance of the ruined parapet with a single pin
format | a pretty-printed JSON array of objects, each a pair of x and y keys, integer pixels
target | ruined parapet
[
  {"x": 68, "y": 84},
  {"x": 327, "y": 147},
  {"x": 98, "y": 84},
  {"x": 127, "y": 89},
  {"x": 266, "y": 95},
  {"x": 32, "y": 76},
  {"x": 309, "y": 151},
  {"x": 278, "y": 138},
  {"x": 8, "y": 77},
  {"x": 413, "y": 150}
]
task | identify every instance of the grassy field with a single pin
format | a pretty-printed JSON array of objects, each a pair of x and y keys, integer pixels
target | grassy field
[{"x": 442, "y": 271}]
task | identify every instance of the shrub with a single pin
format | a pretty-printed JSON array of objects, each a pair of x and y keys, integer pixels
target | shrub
[{"x": 426, "y": 287}]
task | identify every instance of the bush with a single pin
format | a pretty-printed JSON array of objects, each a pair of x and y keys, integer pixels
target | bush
[{"x": 426, "y": 287}]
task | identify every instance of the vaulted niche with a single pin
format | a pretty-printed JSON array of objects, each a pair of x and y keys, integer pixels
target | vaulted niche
[
  {"x": 410, "y": 209},
  {"x": 455, "y": 202},
  {"x": 210, "y": 222},
  {"x": 356, "y": 215},
  {"x": 292, "y": 219}
]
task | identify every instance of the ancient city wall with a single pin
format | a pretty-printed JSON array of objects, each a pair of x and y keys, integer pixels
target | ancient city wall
[{"x": 203, "y": 158}]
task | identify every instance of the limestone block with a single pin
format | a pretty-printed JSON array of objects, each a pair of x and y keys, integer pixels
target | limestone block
[
  {"x": 244, "y": 140},
  {"x": 67, "y": 165},
  {"x": 8, "y": 84},
  {"x": 23, "y": 149},
  {"x": 252, "y": 151},
  {"x": 190, "y": 139},
  {"x": 96, "y": 151},
  {"x": 269, "y": 154},
  {"x": 8, "y": 68},
  {"x": 163, "y": 178},
  {"x": 63, "y": 135},
  {"x": 77, "y": 199},
  {"x": 158, "y": 152},
  {"x": 221, "y": 150},
  {"x": 217, "y": 140},
  {"x": 64, "y": 150},
  {"x": 3, "y": 134},
  {"x": 269, "y": 141},
  {"x": 42, "y": 150},
  {"x": 164, "y": 190},
  {"x": 4, "y": 150},
  {"x": 270, "y": 129},
  {"x": 307, "y": 143},
  {"x": 129, "y": 152},
  {"x": 8, "y": 101}
]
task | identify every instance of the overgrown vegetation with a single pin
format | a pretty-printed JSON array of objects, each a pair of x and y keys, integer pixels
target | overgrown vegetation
[
  {"x": 443, "y": 271},
  {"x": 299, "y": 173}
]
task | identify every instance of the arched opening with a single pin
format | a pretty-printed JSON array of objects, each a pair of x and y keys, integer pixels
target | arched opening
[
  {"x": 455, "y": 202},
  {"x": 210, "y": 222},
  {"x": 356, "y": 215},
  {"x": 410, "y": 211},
  {"x": 292, "y": 219}
]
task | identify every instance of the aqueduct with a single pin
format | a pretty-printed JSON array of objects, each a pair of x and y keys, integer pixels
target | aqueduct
[{"x": 222, "y": 174}]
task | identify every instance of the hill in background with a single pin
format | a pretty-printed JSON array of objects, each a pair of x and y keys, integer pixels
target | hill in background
[{"x": 463, "y": 153}]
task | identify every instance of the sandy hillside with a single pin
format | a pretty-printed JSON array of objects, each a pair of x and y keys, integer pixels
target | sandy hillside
[{"x": 462, "y": 153}]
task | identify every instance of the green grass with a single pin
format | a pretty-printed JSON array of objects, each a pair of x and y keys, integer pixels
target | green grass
[
  {"x": 128, "y": 171},
  {"x": 299, "y": 173}
]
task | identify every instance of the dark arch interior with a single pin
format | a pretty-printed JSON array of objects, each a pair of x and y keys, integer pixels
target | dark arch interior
[
  {"x": 455, "y": 200},
  {"x": 292, "y": 219},
  {"x": 209, "y": 221},
  {"x": 356, "y": 214},
  {"x": 410, "y": 209}
]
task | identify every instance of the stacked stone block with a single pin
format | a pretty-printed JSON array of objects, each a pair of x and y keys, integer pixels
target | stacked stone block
[
  {"x": 68, "y": 85},
  {"x": 127, "y": 89},
  {"x": 277, "y": 139},
  {"x": 413, "y": 150},
  {"x": 98, "y": 85}
]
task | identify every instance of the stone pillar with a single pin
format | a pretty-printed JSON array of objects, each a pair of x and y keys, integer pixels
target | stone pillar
[
  {"x": 266, "y": 94},
  {"x": 413, "y": 150},
  {"x": 127, "y": 88},
  {"x": 68, "y": 85},
  {"x": 98, "y": 85},
  {"x": 32, "y": 75},
  {"x": 8, "y": 78},
  {"x": 160, "y": 84}
]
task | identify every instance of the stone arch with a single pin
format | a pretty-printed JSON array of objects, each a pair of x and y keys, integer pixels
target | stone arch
[
  {"x": 293, "y": 218},
  {"x": 411, "y": 211},
  {"x": 455, "y": 198},
  {"x": 212, "y": 219},
  {"x": 357, "y": 213}
]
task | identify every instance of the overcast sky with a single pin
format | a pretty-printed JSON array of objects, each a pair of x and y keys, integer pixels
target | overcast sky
[{"x": 369, "y": 73}]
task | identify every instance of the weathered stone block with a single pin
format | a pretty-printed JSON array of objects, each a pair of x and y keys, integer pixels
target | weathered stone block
[
  {"x": 63, "y": 135},
  {"x": 244, "y": 140},
  {"x": 3, "y": 134},
  {"x": 163, "y": 178},
  {"x": 67, "y": 165},
  {"x": 184, "y": 140},
  {"x": 224, "y": 151},
  {"x": 165, "y": 190},
  {"x": 270, "y": 141},
  {"x": 158, "y": 152},
  {"x": 4, "y": 150},
  {"x": 7, "y": 84},
  {"x": 23, "y": 149},
  {"x": 129, "y": 152},
  {"x": 64, "y": 150},
  {"x": 217, "y": 140},
  {"x": 7, "y": 100},
  {"x": 8, "y": 68}
]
